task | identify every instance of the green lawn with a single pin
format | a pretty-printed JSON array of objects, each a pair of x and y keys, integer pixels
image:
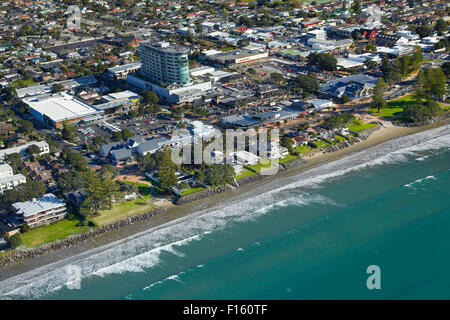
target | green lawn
[
  {"x": 245, "y": 173},
  {"x": 122, "y": 210},
  {"x": 358, "y": 126},
  {"x": 191, "y": 190},
  {"x": 288, "y": 158},
  {"x": 303, "y": 149},
  {"x": 51, "y": 232},
  {"x": 394, "y": 108},
  {"x": 321, "y": 144},
  {"x": 339, "y": 138},
  {"x": 144, "y": 189}
]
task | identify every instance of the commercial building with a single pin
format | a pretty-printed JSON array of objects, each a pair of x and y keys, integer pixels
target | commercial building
[
  {"x": 118, "y": 101},
  {"x": 165, "y": 62},
  {"x": 237, "y": 56},
  {"x": 40, "y": 211},
  {"x": 22, "y": 149},
  {"x": 121, "y": 72},
  {"x": 58, "y": 109}
]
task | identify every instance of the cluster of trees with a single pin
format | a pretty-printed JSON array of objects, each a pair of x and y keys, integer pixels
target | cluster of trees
[
  {"x": 430, "y": 84},
  {"x": 422, "y": 111},
  {"x": 102, "y": 190},
  {"x": 338, "y": 120},
  {"x": 378, "y": 100},
  {"x": 324, "y": 61},
  {"x": 23, "y": 192},
  {"x": 401, "y": 67},
  {"x": 307, "y": 84},
  {"x": 214, "y": 174},
  {"x": 74, "y": 159},
  {"x": 122, "y": 135}
]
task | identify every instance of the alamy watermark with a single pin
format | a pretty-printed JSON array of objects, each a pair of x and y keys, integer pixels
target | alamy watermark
[
  {"x": 232, "y": 147},
  {"x": 74, "y": 21},
  {"x": 374, "y": 280}
]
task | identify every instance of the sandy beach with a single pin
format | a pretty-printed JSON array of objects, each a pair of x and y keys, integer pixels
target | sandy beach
[{"x": 176, "y": 214}]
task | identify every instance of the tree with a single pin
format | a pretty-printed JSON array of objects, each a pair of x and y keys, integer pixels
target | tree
[
  {"x": 166, "y": 171},
  {"x": 356, "y": 8},
  {"x": 276, "y": 77},
  {"x": 403, "y": 63},
  {"x": 308, "y": 83},
  {"x": 243, "y": 43},
  {"x": 150, "y": 97},
  {"x": 422, "y": 111},
  {"x": 390, "y": 71},
  {"x": 108, "y": 170},
  {"x": 15, "y": 241},
  {"x": 126, "y": 134},
  {"x": 419, "y": 88},
  {"x": 33, "y": 151},
  {"x": 112, "y": 191},
  {"x": 440, "y": 26},
  {"x": 424, "y": 31},
  {"x": 57, "y": 87},
  {"x": 26, "y": 127},
  {"x": 15, "y": 160},
  {"x": 25, "y": 228},
  {"x": 378, "y": 100},
  {"x": 324, "y": 61},
  {"x": 69, "y": 133},
  {"x": 218, "y": 174},
  {"x": 435, "y": 80},
  {"x": 96, "y": 195}
]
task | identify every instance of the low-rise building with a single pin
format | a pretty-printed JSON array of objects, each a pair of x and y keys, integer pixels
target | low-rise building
[
  {"x": 22, "y": 149},
  {"x": 9, "y": 180},
  {"x": 40, "y": 211}
]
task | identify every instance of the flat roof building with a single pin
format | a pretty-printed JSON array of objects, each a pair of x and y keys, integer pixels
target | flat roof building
[
  {"x": 59, "y": 108},
  {"x": 40, "y": 211},
  {"x": 237, "y": 56},
  {"x": 42, "y": 145}
]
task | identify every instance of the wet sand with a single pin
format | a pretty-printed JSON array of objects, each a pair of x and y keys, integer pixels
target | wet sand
[{"x": 176, "y": 214}]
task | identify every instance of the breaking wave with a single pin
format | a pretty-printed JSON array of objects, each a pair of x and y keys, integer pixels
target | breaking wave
[{"x": 146, "y": 249}]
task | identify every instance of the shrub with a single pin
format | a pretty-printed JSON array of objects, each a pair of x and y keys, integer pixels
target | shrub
[
  {"x": 91, "y": 224},
  {"x": 25, "y": 228}
]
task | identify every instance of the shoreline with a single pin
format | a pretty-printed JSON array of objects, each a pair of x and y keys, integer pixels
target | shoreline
[{"x": 174, "y": 212}]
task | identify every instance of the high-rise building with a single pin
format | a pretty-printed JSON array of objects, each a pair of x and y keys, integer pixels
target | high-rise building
[{"x": 165, "y": 62}]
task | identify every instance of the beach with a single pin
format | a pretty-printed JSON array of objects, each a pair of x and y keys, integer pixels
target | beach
[{"x": 178, "y": 214}]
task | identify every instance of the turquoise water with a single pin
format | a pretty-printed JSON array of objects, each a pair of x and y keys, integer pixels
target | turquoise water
[{"x": 311, "y": 236}]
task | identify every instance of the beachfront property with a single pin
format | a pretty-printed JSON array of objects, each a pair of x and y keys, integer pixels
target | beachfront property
[
  {"x": 9, "y": 180},
  {"x": 41, "y": 211},
  {"x": 22, "y": 149}
]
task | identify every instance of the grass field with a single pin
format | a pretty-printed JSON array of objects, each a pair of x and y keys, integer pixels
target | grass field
[
  {"x": 191, "y": 190},
  {"x": 51, "y": 232},
  {"x": 245, "y": 173},
  {"x": 288, "y": 158},
  {"x": 144, "y": 189},
  {"x": 122, "y": 210},
  {"x": 303, "y": 149},
  {"x": 394, "y": 108},
  {"x": 358, "y": 126},
  {"x": 321, "y": 144}
]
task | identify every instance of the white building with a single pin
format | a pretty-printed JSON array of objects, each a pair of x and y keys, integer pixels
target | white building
[
  {"x": 9, "y": 180},
  {"x": 22, "y": 150},
  {"x": 40, "y": 211}
]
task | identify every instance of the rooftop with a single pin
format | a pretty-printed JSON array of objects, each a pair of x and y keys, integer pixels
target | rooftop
[{"x": 47, "y": 202}]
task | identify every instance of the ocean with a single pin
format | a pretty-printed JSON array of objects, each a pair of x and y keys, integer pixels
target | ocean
[{"x": 307, "y": 236}]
